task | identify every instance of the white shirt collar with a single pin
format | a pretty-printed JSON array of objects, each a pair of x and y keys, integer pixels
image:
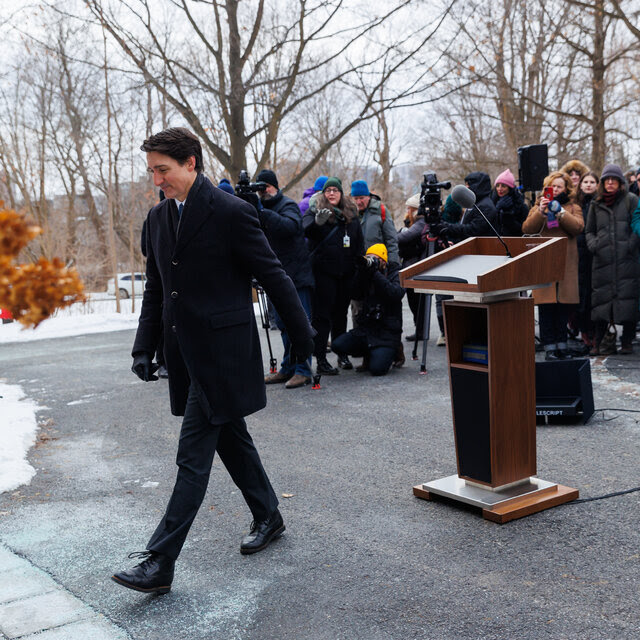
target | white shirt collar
[{"x": 178, "y": 203}]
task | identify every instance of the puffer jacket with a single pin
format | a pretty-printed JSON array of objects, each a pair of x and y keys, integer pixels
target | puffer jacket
[
  {"x": 615, "y": 284},
  {"x": 303, "y": 205},
  {"x": 472, "y": 223},
  {"x": 281, "y": 222},
  {"x": 375, "y": 230},
  {"x": 410, "y": 245}
]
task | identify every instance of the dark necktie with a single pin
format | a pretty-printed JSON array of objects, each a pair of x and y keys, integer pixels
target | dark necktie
[{"x": 180, "y": 208}]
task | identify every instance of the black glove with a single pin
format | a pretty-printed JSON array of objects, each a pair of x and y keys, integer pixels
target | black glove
[
  {"x": 439, "y": 229},
  {"x": 300, "y": 352},
  {"x": 143, "y": 367},
  {"x": 505, "y": 203}
]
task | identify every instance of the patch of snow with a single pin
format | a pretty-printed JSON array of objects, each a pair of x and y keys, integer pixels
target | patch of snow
[
  {"x": 95, "y": 316},
  {"x": 18, "y": 428}
]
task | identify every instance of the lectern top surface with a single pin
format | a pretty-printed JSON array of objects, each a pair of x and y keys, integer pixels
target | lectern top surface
[{"x": 464, "y": 269}]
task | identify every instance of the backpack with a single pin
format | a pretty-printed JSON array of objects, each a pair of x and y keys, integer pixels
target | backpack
[{"x": 383, "y": 213}]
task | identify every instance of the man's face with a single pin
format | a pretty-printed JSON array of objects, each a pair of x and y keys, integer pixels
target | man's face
[
  {"x": 362, "y": 202},
  {"x": 268, "y": 193},
  {"x": 173, "y": 178}
]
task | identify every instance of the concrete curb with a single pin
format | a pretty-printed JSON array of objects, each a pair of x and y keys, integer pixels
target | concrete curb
[{"x": 34, "y": 605}]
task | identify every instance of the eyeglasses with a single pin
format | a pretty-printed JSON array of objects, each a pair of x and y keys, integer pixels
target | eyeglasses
[{"x": 332, "y": 190}]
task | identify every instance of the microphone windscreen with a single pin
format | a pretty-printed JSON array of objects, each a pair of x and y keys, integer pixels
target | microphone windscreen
[{"x": 463, "y": 196}]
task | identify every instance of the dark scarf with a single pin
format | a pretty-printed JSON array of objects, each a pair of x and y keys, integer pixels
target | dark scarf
[
  {"x": 562, "y": 198},
  {"x": 610, "y": 198}
]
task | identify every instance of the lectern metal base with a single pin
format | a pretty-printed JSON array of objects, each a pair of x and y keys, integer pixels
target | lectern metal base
[{"x": 515, "y": 501}]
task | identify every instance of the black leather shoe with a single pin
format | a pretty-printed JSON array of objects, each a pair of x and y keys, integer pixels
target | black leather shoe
[
  {"x": 153, "y": 575},
  {"x": 262, "y": 533},
  {"x": 344, "y": 362},
  {"x": 552, "y": 355},
  {"x": 564, "y": 354},
  {"x": 323, "y": 368},
  {"x": 412, "y": 337}
]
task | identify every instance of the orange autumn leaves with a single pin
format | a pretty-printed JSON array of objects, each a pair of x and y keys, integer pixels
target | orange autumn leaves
[{"x": 32, "y": 292}]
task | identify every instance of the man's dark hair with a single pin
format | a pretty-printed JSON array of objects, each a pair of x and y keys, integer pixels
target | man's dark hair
[{"x": 177, "y": 143}]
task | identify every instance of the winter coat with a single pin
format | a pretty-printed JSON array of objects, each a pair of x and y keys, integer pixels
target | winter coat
[
  {"x": 282, "y": 224},
  {"x": 303, "y": 205},
  {"x": 376, "y": 231},
  {"x": 380, "y": 318},
  {"x": 410, "y": 245},
  {"x": 571, "y": 224},
  {"x": 199, "y": 274},
  {"x": 512, "y": 211},
  {"x": 615, "y": 280},
  {"x": 472, "y": 223},
  {"x": 585, "y": 261},
  {"x": 328, "y": 253}
]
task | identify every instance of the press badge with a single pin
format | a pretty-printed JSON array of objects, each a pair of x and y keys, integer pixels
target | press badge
[{"x": 346, "y": 241}]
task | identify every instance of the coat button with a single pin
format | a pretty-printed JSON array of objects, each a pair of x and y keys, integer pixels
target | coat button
[
  {"x": 174, "y": 262},
  {"x": 173, "y": 328},
  {"x": 174, "y": 294}
]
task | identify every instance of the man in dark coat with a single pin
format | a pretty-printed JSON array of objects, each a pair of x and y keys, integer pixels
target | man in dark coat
[
  {"x": 203, "y": 247},
  {"x": 472, "y": 223},
  {"x": 280, "y": 218}
]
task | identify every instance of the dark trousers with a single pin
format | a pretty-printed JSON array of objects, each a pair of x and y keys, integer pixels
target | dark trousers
[
  {"x": 199, "y": 440},
  {"x": 355, "y": 344},
  {"x": 553, "y": 320},
  {"x": 416, "y": 304},
  {"x": 286, "y": 366},
  {"x": 330, "y": 307}
]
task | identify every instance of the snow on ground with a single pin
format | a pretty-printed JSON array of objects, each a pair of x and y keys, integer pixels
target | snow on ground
[
  {"x": 18, "y": 427},
  {"x": 95, "y": 316}
]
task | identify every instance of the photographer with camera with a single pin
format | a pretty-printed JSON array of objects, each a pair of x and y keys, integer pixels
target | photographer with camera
[
  {"x": 376, "y": 335},
  {"x": 335, "y": 239},
  {"x": 282, "y": 224}
]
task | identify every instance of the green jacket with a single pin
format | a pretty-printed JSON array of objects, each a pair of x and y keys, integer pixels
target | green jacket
[{"x": 375, "y": 230}]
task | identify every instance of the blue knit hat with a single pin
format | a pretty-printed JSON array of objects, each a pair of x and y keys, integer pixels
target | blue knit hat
[
  {"x": 360, "y": 188},
  {"x": 225, "y": 185},
  {"x": 319, "y": 183}
]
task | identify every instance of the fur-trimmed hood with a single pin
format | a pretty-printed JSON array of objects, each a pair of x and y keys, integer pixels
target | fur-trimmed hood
[{"x": 574, "y": 165}]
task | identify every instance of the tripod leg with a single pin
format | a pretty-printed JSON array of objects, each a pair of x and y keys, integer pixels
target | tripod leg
[
  {"x": 414, "y": 353},
  {"x": 426, "y": 328}
]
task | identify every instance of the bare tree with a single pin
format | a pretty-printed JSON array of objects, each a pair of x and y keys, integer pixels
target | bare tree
[{"x": 236, "y": 77}]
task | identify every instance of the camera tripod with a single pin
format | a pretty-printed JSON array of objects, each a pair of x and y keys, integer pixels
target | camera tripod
[{"x": 266, "y": 323}]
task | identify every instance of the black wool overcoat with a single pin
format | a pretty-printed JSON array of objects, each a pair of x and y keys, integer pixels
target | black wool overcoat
[{"x": 199, "y": 282}]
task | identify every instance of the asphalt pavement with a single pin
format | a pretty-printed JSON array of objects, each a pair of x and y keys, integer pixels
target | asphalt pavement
[{"x": 361, "y": 557}]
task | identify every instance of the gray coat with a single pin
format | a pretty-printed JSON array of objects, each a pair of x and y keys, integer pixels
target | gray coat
[{"x": 615, "y": 248}]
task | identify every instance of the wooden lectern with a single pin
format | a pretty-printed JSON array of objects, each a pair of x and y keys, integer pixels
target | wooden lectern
[{"x": 493, "y": 403}]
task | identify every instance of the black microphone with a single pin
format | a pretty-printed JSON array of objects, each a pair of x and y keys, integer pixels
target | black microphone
[{"x": 466, "y": 198}]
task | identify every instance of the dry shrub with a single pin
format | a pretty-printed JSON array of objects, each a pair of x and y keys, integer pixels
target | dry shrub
[{"x": 32, "y": 292}]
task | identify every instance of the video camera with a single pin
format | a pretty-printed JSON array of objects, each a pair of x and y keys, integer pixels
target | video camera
[
  {"x": 245, "y": 186},
  {"x": 248, "y": 190},
  {"x": 431, "y": 197}
]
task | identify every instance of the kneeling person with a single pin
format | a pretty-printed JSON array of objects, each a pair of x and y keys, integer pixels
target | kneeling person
[{"x": 376, "y": 335}]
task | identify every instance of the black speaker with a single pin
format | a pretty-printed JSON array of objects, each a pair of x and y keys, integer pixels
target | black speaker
[
  {"x": 533, "y": 166},
  {"x": 563, "y": 389}
]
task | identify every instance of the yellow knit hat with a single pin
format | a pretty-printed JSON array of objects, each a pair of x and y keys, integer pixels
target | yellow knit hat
[{"x": 378, "y": 250}]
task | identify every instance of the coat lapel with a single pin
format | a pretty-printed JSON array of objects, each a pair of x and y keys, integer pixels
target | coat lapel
[{"x": 196, "y": 212}]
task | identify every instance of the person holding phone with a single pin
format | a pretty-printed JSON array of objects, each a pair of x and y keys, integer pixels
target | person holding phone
[{"x": 555, "y": 214}]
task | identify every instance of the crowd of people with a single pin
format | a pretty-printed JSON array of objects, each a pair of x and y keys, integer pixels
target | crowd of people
[{"x": 343, "y": 253}]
